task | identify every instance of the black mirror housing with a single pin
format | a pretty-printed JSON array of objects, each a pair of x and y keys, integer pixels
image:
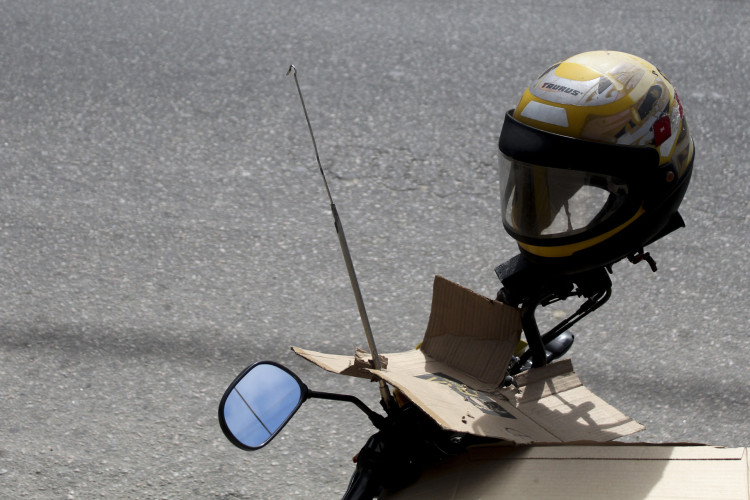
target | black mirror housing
[{"x": 259, "y": 403}]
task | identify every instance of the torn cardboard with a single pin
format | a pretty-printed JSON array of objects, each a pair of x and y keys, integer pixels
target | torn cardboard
[
  {"x": 456, "y": 377},
  {"x": 616, "y": 471}
]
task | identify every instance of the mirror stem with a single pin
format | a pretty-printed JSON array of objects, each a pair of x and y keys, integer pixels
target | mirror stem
[{"x": 377, "y": 420}]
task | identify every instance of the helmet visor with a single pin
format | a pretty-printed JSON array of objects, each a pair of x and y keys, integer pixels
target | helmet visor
[{"x": 545, "y": 202}]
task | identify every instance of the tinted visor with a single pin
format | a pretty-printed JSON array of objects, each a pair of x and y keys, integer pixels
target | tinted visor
[
  {"x": 559, "y": 187},
  {"x": 540, "y": 202}
]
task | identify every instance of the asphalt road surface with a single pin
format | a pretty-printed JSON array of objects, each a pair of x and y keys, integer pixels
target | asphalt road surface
[{"x": 162, "y": 223}]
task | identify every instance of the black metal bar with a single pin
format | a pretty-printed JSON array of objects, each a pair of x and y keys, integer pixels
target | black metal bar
[
  {"x": 376, "y": 419},
  {"x": 531, "y": 331}
]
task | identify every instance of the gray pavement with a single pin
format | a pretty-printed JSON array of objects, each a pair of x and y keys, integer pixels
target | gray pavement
[{"x": 162, "y": 224}]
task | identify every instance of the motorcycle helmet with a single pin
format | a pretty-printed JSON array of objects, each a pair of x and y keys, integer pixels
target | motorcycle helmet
[{"x": 594, "y": 161}]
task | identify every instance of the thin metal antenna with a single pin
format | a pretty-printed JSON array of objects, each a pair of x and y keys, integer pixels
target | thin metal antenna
[
  {"x": 385, "y": 393},
  {"x": 309, "y": 127}
]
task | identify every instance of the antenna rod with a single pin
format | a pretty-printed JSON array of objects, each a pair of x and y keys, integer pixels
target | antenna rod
[{"x": 385, "y": 393}]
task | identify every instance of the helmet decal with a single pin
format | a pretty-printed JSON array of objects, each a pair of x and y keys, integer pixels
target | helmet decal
[
  {"x": 662, "y": 130},
  {"x": 572, "y": 92},
  {"x": 542, "y": 112}
]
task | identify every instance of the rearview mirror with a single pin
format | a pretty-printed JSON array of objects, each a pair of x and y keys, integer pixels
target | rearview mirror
[{"x": 257, "y": 405}]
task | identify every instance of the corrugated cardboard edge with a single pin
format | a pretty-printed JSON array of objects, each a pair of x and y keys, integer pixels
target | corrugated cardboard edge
[
  {"x": 588, "y": 471},
  {"x": 603, "y": 450},
  {"x": 353, "y": 366}
]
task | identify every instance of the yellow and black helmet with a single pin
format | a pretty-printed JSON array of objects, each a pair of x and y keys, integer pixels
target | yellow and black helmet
[{"x": 594, "y": 161}]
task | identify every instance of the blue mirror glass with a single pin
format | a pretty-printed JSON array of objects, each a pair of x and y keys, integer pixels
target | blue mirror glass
[{"x": 259, "y": 403}]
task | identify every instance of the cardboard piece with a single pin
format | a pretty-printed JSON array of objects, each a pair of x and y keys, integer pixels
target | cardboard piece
[
  {"x": 615, "y": 471},
  {"x": 557, "y": 433},
  {"x": 456, "y": 375}
]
